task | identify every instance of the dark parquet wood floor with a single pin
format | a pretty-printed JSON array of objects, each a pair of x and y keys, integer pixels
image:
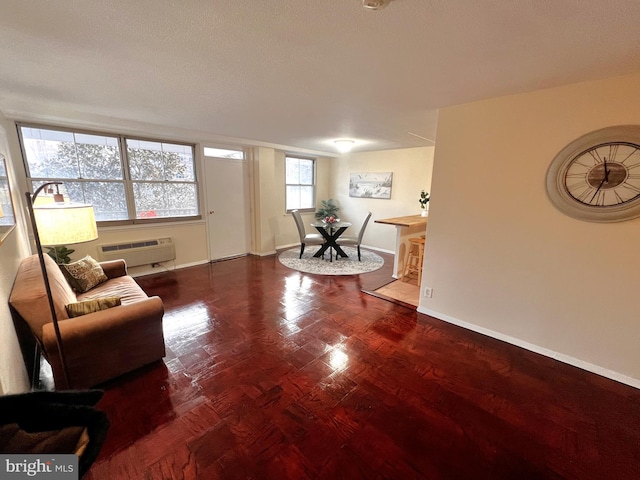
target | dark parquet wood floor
[{"x": 275, "y": 374}]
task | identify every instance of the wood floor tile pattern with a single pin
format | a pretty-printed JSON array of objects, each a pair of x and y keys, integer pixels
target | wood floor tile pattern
[{"x": 275, "y": 374}]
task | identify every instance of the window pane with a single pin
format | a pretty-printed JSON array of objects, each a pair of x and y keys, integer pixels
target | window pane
[
  {"x": 160, "y": 161},
  {"x": 299, "y": 197},
  {"x": 293, "y": 197},
  {"x": 5, "y": 200},
  {"x": 182, "y": 199},
  {"x": 306, "y": 197},
  {"x": 149, "y": 199},
  {"x": 50, "y": 153},
  {"x": 107, "y": 198},
  {"x": 145, "y": 160},
  {"x": 98, "y": 157},
  {"x": 293, "y": 170},
  {"x": 178, "y": 165},
  {"x": 223, "y": 153},
  {"x": 306, "y": 172},
  {"x": 165, "y": 200}
]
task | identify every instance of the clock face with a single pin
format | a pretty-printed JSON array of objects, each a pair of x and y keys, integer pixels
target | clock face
[
  {"x": 605, "y": 175},
  {"x": 597, "y": 176}
]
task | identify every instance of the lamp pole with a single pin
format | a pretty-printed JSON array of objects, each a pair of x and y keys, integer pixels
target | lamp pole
[{"x": 30, "y": 200}]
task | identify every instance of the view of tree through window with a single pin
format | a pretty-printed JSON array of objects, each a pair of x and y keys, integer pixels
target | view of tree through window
[
  {"x": 300, "y": 183},
  {"x": 162, "y": 177}
]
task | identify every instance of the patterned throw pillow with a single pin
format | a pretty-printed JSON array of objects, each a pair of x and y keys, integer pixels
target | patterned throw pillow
[
  {"x": 84, "y": 274},
  {"x": 90, "y": 306}
]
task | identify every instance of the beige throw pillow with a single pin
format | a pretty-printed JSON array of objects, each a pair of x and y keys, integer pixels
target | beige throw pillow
[
  {"x": 90, "y": 306},
  {"x": 84, "y": 274}
]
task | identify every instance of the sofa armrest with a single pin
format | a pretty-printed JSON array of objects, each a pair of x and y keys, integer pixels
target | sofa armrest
[
  {"x": 114, "y": 268},
  {"x": 101, "y": 345}
]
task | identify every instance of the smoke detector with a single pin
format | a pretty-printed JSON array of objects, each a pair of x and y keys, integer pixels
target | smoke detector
[{"x": 375, "y": 4}]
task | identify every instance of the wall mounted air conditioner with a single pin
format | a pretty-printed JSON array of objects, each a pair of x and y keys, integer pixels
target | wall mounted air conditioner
[{"x": 140, "y": 252}]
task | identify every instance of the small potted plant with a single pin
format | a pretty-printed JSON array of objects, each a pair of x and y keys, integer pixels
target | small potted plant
[
  {"x": 328, "y": 208},
  {"x": 424, "y": 202},
  {"x": 60, "y": 254}
]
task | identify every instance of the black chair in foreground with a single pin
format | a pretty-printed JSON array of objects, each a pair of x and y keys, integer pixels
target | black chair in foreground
[
  {"x": 355, "y": 239},
  {"x": 305, "y": 239},
  {"x": 50, "y": 423}
]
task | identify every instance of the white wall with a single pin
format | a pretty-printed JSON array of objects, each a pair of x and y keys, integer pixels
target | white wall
[
  {"x": 13, "y": 375},
  {"x": 501, "y": 259},
  {"x": 411, "y": 169}
]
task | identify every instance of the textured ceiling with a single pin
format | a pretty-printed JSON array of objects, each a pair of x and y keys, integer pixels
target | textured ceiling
[{"x": 298, "y": 73}]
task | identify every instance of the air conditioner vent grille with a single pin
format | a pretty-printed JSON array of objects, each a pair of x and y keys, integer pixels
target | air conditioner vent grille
[{"x": 142, "y": 252}]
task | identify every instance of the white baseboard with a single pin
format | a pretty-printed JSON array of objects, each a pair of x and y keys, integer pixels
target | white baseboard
[
  {"x": 561, "y": 357},
  {"x": 286, "y": 247},
  {"x": 383, "y": 250}
]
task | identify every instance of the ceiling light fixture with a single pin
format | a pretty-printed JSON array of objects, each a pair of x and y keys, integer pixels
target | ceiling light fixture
[
  {"x": 344, "y": 145},
  {"x": 375, "y": 4}
]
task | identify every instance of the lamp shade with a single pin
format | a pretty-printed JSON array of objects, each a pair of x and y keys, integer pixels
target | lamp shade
[{"x": 65, "y": 223}]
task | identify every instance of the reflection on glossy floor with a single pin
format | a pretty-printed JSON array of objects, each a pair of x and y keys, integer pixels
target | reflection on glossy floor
[
  {"x": 275, "y": 374},
  {"x": 407, "y": 292}
]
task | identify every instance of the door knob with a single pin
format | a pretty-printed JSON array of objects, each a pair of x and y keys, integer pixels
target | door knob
[{"x": 211, "y": 212}]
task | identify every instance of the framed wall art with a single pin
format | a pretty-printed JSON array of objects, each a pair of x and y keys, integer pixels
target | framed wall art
[{"x": 370, "y": 185}]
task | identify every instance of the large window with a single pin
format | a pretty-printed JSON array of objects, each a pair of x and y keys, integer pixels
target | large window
[
  {"x": 125, "y": 179},
  {"x": 300, "y": 184}
]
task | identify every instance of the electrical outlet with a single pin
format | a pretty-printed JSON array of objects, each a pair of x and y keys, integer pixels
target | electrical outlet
[{"x": 428, "y": 292}]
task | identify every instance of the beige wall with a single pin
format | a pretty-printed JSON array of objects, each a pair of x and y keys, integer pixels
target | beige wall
[
  {"x": 282, "y": 227},
  {"x": 190, "y": 239},
  {"x": 411, "y": 169},
  {"x": 501, "y": 259},
  {"x": 13, "y": 375}
]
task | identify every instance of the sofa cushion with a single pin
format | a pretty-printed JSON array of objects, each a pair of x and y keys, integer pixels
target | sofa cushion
[
  {"x": 89, "y": 306},
  {"x": 124, "y": 287},
  {"x": 84, "y": 274},
  {"x": 29, "y": 296}
]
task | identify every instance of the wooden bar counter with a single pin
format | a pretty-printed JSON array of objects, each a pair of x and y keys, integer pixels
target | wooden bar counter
[{"x": 406, "y": 227}]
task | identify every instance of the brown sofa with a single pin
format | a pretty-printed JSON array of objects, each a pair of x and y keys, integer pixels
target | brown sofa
[{"x": 98, "y": 346}]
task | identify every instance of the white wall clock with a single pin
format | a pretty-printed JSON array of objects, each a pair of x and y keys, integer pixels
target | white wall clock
[{"x": 597, "y": 176}]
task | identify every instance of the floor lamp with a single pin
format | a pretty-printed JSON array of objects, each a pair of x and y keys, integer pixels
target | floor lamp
[{"x": 55, "y": 224}]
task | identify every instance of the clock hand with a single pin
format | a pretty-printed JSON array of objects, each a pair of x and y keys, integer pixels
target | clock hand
[
  {"x": 598, "y": 189},
  {"x": 606, "y": 172}
]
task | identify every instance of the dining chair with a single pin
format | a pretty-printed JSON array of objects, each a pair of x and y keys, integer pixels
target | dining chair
[
  {"x": 305, "y": 239},
  {"x": 355, "y": 239}
]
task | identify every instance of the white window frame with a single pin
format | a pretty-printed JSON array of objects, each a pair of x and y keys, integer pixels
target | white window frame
[
  {"x": 312, "y": 184},
  {"x": 126, "y": 180}
]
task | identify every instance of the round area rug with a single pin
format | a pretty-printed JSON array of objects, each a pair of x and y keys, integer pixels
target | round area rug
[{"x": 342, "y": 266}]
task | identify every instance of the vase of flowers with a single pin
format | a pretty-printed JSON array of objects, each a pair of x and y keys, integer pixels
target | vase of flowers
[{"x": 424, "y": 202}]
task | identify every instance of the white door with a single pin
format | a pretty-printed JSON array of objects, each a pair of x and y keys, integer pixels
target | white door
[{"x": 228, "y": 218}]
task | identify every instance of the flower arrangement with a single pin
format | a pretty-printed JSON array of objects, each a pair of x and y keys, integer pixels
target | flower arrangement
[
  {"x": 327, "y": 208},
  {"x": 424, "y": 199}
]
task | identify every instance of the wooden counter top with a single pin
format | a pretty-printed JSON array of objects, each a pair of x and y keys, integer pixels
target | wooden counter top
[{"x": 408, "y": 221}]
